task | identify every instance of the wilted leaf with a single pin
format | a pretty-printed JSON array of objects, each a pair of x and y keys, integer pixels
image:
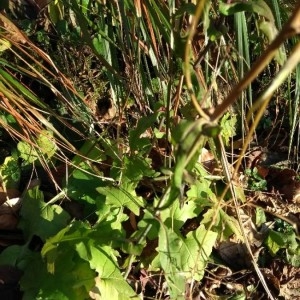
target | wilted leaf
[{"x": 4, "y": 45}]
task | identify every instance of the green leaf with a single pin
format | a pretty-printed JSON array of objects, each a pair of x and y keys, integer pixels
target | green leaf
[
  {"x": 260, "y": 216},
  {"x": 201, "y": 193},
  {"x": 56, "y": 11},
  {"x": 189, "y": 139},
  {"x": 103, "y": 233},
  {"x": 199, "y": 246},
  {"x": 124, "y": 196},
  {"x": 38, "y": 218},
  {"x": 257, "y": 6},
  {"x": 10, "y": 172},
  {"x": 46, "y": 143},
  {"x": 12, "y": 255},
  {"x": 224, "y": 224},
  {"x": 89, "y": 149},
  {"x": 293, "y": 256},
  {"x": 82, "y": 185},
  {"x": 183, "y": 258},
  {"x": 228, "y": 124},
  {"x": 285, "y": 240},
  {"x": 45, "y": 146},
  {"x": 175, "y": 216},
  {"x": 137, "y": 167},
  {"x": 71, "y": 279},
  {"x": 238, "y": 296},
  {"x": 27, "y": 152},
  {"x": 110, "y": 282},
  {"x": 148, "y": 220},
  {"x": 274, "y": 242},
  {"x": 136, "y": 142},
  {"x": 169, "y": 245}
]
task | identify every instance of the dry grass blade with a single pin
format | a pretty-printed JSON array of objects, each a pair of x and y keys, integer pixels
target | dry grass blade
[{"x": 30, "y": 119}]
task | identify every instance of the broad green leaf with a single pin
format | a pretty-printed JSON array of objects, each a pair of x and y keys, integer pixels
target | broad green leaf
[
  {"x": 260, "y": 216},
  {"x": 103, "y": 233},
  {"x": 82, "y": 185},
  {"x": 169, "y": 245},
  {"x": 38, "y": 218},
  {"x": 228, "y": 125},
  {"x": 189, "y": 137},
  {"x": 10, "y": 172},
  {"x": 136, "y": 142},
  {"x": 91, "y": 150},
  {"x": 184, "y": 257},
  {"x": 293, "y": 256},
  {"x": 124, "y": 196},
  {"x": 110, "y": 282},
  {"x": 231, "y": 226},
  {"x": 34, "y": 276},
  {"x": 12, "y": 255},
  {"x": 201, "y": 193},
  {"x": 137, "y": 167},
  {"x": 71, "y": 279},
  {"x": 151, "y": 223},
  {"x": 285, "y": 240},
  {"x": 195, "y": 254},
  {"x": 46, "y": 143},
  {"x": 222, "y": 223},
  {"x": 45, "y": 146},
  {"x": 76, "y": 231},
  {"x": 275, "y": 241},
  {"x": 27, "y": 152},
  {"x": 175, "y": 216}
]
